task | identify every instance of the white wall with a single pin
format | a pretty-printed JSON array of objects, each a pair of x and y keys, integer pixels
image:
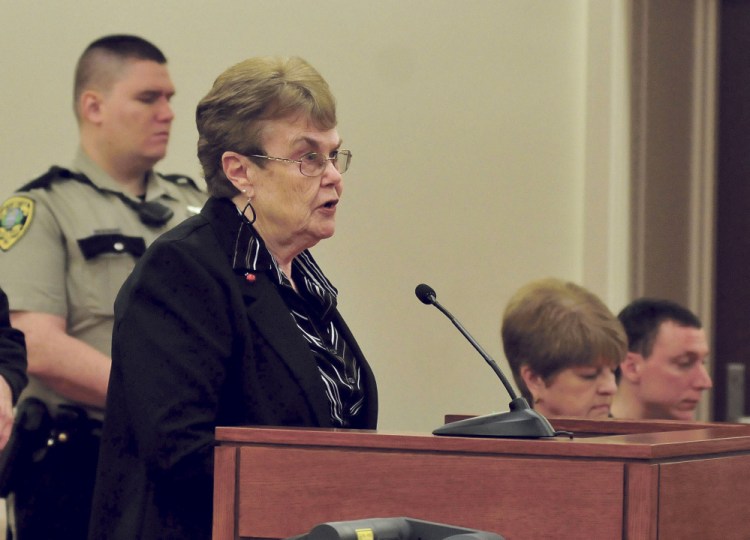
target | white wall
[{"x": 486, "y": 136}]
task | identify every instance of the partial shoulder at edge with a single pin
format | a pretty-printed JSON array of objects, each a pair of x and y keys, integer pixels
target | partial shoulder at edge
[
  {"x": 180, "y": 180},
  {"x": 45, "y": 181}
]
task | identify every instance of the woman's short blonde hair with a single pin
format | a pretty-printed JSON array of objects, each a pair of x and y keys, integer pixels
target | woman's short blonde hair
[
  {"x": 231, "y": 117},
  {"x": 550, "y": 325}
]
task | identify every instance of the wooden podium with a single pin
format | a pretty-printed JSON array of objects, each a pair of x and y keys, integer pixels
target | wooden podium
[{"x": 615, "y": 479}]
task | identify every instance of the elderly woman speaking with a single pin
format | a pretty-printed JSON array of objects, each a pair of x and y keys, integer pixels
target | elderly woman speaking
[{"x": 227, "y": 319}]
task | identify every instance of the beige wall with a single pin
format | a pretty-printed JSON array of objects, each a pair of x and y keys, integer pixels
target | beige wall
[{"x": 488, "y": 138}]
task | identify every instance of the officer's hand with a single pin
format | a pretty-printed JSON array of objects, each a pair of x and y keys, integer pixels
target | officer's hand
[{"x": 6, "y": 412}]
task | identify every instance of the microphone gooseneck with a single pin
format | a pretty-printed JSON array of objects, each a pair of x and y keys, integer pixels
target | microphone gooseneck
[
  {"x": 427, "y": 295},
  {"x": 521, "y": 421}
]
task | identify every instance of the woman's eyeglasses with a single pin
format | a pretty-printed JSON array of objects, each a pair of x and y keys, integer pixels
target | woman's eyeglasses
[{"x": 313, "y": 164}]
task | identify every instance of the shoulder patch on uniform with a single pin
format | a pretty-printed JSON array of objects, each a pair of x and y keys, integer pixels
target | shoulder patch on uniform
[{"x": 15, "y": 217}]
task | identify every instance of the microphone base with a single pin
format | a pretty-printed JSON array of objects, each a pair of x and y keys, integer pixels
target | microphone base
[{"x": 521, "y": 422}]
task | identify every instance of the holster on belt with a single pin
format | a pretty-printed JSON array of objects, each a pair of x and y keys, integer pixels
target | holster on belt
[
  {"x": 31, "y": 432},
  {"x": 37, "y": 433}
]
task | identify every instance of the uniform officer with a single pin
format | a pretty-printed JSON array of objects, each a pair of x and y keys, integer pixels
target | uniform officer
[{"x": 68, "y": 241}]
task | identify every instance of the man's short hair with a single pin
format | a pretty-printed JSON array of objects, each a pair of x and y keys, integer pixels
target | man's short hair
[
  {"x": 103, "y": 59},
  {"x": 643, "y": 317},
  {"x": 551, "y": 325},
  {"x": 231, "y": 117}
]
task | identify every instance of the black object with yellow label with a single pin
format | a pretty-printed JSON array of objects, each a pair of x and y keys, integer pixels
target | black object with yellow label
[{"x": 394, "y": 528}]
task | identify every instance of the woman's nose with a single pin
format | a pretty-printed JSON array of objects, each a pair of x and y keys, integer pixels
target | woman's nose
[{"x": 608, "y": 384}]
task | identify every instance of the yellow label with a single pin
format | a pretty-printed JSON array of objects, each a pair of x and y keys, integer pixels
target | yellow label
[
  {"x": 15, "y": 218},
  {"x": 364, "y": 534}
]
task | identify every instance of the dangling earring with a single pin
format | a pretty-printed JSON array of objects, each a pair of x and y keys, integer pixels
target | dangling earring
[{"x": 250, "y": 206}]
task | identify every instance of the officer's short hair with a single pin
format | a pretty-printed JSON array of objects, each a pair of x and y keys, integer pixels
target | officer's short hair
[{"x": 103, "y": 59}]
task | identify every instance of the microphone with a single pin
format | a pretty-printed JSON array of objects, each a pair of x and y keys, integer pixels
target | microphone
[
  {"x": 520, "y": 422},
  {"x": 427, "y": 295}
]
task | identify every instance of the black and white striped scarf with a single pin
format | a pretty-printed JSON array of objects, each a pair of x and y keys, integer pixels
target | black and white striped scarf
[{"x": 313, "y": 308}]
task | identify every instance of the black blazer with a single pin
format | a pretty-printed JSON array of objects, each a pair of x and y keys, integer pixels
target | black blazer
[{"x": 197, "y": 345}]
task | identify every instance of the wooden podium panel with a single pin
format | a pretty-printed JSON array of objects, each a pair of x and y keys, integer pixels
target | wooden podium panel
[
  {"x": 723, "y": 488},
  {"x": 615, "y": 480},
  {"x": 479, "y": 492}
]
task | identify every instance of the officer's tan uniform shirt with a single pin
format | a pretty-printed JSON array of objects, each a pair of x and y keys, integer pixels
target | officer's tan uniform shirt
[{"x": 44, "y": 268}]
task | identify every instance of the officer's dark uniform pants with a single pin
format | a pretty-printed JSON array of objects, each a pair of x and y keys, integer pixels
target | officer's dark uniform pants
[{"x": 53, "y": 499}]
